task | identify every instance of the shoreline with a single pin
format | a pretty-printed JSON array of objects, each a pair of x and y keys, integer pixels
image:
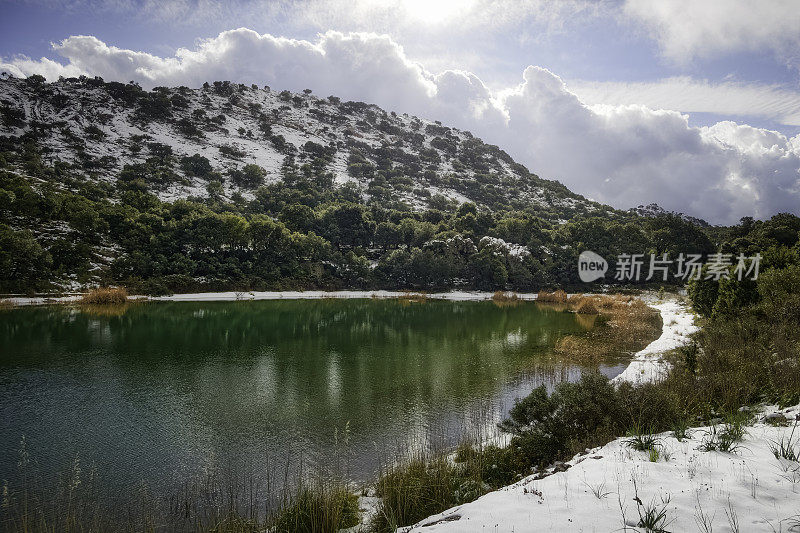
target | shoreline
[
  {"x": 646, "y": 365},
  {"x": 609, "y": 487},
  {"x": 512, "y": 507},
  {"x": 237, "y": 296}
]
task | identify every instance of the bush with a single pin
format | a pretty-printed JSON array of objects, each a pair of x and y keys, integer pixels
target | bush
[
  {"x": 196, "y": 165},
  {"x": 558, "y": 296},
  {"x": 251, "y": 176},
  {"x": 586, "y": 307},
  {"x": 703, "y": 293},
  {"x": 575, "y": 416},
  {"x": 323, "y": 508},
  {"x": 106, "y": 296}
]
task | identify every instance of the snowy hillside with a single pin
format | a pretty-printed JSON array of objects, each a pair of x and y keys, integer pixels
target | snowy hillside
[{"x": 102, "y": 127}]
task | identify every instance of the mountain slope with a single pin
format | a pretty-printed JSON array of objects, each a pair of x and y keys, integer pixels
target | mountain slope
[
  {"x": 104, "y": 126},
  {"x": 236, "y": 187}
]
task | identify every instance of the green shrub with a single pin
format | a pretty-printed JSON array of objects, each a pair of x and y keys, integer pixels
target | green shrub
[
  {"x": 318, "y": 510},
  {"x": 641, "y": 440},
  {"x": 414, "y": 490},
  {"x": 703, "y": 293}
]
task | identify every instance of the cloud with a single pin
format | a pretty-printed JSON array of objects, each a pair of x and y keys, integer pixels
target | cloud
[
  {"x": 624, "y": 155},
  {"x": 772, "y": 102},
  {"x": 689, "y": 29}
]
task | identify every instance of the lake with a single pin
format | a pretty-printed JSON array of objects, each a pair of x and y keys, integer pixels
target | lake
[{"x": 157, "y": 393}]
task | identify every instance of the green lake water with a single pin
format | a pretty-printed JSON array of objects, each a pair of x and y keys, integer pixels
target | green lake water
[{"x": 167, "y": 391}]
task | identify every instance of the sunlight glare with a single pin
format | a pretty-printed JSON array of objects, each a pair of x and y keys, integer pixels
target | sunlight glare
[{"x": 436, "y": 11}]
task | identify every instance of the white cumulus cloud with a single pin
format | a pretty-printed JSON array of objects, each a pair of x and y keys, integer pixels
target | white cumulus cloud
[
  {"x": 688, "y": 29},
  {"x": 624, "y": 155}
]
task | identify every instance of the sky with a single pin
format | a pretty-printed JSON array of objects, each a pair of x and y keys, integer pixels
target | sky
[{"x": 694, "y": 105}]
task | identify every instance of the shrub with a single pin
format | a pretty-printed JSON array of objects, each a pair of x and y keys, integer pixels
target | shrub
[
  {"x": 558, "y": 296},
  {"x": 196, "y": 165},
  {"x": 640, "y": 440},
  {"x": 575, "y": 416},
  {"x": 586, "y": 307},
  {"x": 106, "y": 296},
  {"x": 231, "y": 151},
  {"x": 703, "y": 294},
  {"x": 324, "y": 508},
  {"x": 251, "y": 176}
]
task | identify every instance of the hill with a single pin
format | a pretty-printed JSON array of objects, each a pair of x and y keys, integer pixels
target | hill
[{"x": 234, "y": 186}]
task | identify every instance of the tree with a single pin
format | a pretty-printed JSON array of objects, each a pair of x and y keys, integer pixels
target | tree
[
  {"x": 24, "y": 264},
  {"x": 489, "y": 270},
  {"x": 298, "y": 217},
  {"x": 251, "y": 176},
  {"x": 347, "y": 225},
  {"x": 196, "y": 166}
]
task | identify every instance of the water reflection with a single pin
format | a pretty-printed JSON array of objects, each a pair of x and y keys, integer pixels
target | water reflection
[{"x": 161, "y": 391}]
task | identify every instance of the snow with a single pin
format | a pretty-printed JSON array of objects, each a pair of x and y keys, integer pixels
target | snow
[
  {"x": 278, "y": 295},
  {"x": 298, "y": 295},
  {"x": 597, "y": 492},
  {"x": 647, "y": 365},
  {"x": 514, "y": 250},
  {"x": 93, "y": 106}
]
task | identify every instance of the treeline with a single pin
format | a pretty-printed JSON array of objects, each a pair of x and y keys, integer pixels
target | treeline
[
  {"x": 73, "y": 222},
  {"x": 58, "y": 227},
  {"x": 778, "y": 283}
]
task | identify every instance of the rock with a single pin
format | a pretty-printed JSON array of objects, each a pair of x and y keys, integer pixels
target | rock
[{"x": 775, "y": 419}]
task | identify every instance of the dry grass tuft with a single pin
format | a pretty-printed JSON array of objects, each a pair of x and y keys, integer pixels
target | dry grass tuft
[
  {"x": 620, "y": 324},
  {"x": 106, "y": 296},
  {"x": 557, "y": 297},
  {"x": 502, "y": 296},
  {"x": 505, "y": 299},
  {"x": 586, "y": 307}
]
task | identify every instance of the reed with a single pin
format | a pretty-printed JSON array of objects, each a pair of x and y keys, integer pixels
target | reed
[
  {"x": 217, "y": 501},
  {"x": 105, "y": 296}
]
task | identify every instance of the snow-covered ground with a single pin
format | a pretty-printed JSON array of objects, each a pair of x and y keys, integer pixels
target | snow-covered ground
[
  {"x": 299, "y": 295},
  {"x": 678, "y": 323},
  {"x": 280, "y": 295},
  {"x": 611, "y": 487},
  {"x": 599, "y": 490}
]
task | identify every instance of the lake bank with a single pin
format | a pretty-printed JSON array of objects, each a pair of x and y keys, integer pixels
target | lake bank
[
  {"x": 612, "y": 487},
  {"x": 233, "y": 296},
  {"x": 676, "y": 324}
]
